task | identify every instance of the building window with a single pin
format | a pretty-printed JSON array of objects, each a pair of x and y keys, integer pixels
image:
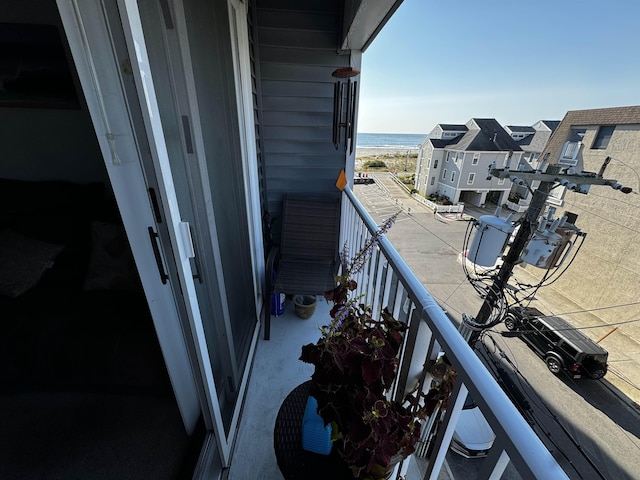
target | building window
[
  {"x": 603, "y": 137},
  {"x": 476, "y": 159},
  {"x": 501, "y": 181},
  {"x": 435, "y": 164},
  {"x": 444, "y": 173},
  {"x": 433, "y": 180},
  {"x": 570, "y": 153},
  {"x": 472, "y": 177},
  {"x": 447, "y": 157},
  {"x": 453, "y": 176},
  {"x": 429, "y": 163}
]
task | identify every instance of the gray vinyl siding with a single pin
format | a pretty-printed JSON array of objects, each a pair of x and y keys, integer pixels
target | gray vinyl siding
[
  {"x": 256, "y": 95},
  {"x": 298, "y": 52}
]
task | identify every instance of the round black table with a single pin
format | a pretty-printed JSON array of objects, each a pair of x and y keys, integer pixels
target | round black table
[{"x": 294, "y": 462}]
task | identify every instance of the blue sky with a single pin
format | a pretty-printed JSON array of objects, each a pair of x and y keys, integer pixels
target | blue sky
[{"x": 518, "y": 62}]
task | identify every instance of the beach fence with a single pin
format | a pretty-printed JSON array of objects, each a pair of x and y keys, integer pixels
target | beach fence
[
  {"x": 451, "y": 209},
  {"x": 456, "y": 209}
]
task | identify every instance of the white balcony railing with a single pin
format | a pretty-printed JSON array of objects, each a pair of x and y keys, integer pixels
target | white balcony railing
[
  {"x": 387, "y": 281},
  {"x": 517, "y": 207}
]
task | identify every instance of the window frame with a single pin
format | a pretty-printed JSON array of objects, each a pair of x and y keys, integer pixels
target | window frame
[
  {"x": 603, "y": 137},
  {"x": 471, "y": 178},
  {"x": 569, "y": 155}
]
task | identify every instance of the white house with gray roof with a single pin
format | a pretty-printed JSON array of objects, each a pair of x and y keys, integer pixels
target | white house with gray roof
[
  {"x": 454, "y": 161},
  {"x": 445, "y": 141},
  {"x": 532, "y": 141}
]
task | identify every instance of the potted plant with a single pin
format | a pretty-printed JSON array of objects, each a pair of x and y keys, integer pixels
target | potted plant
[{"x": 356, "y": 361}]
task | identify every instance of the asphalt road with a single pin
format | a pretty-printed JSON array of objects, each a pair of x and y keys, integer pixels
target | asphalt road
[{"x": 591, "y": 432}]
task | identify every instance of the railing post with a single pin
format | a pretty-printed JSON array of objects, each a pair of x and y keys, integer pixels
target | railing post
[{"x": 443, "y": 436}]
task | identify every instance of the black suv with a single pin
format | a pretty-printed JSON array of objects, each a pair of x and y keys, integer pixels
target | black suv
[{"x": 563, "y": 347}]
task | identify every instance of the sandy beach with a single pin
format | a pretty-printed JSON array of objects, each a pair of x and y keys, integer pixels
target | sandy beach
[
  {"x": 394, "y": 159},
  {"x": 385, "y": 152}
]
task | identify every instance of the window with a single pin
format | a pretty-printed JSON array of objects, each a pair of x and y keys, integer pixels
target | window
[
  {"x": 453, "y": 176},
  {"x": 476, "y": 159},
  {"x": 444, "y": 173},
  {"x": 472, "y": 177},
  {"x": 433, "y": 180},
  {"x": 501, "y": 181},
  {"x": 569, "y": 349},
  {"x": 435, "y": 164},
  {"x": 603, "y": 137},
  {"x": 569, "y": 154},
  {"x": 448, "y": 156},
  {"x": 553, "y": 337},
  {"x": 577, "y": 134},
  {"x": 429, "y": 163}
]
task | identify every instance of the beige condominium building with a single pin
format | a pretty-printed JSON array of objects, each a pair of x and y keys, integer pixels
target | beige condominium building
[{"x": 604, "y": 277}]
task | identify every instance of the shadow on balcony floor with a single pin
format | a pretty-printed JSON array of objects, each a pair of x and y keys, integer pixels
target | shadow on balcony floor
[{"x": 276, "y": 371}]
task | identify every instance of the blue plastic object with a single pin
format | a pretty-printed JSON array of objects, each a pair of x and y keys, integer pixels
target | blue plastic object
[
  {"x": 316, "y": 437},
  {"x": 277, "y": 304}
]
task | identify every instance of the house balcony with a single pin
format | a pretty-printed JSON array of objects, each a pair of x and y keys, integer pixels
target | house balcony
[
  {"x": 387, "y": 281},
  {"x": 519, "y": 206}
]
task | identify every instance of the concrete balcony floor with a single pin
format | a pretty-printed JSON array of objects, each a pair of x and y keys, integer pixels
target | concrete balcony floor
[{"x": 276, "y": 371}]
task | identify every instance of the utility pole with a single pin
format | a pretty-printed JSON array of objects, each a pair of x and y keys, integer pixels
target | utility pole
[
  {"x": 578, "y": 183},
  {"x": 512, "y": 257}
]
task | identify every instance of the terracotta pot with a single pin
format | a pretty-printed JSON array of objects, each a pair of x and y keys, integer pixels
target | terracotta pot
[{"x": 305, "y": 305}]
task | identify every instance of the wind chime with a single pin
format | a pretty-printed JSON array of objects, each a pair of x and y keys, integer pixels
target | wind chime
[{"x": 344, "y": 106}]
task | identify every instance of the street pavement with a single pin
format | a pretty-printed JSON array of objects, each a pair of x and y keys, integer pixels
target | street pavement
[{"x": 431, "y": 245}]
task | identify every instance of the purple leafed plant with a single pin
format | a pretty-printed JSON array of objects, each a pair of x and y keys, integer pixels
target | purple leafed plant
[{"x": 356, "y": 362}]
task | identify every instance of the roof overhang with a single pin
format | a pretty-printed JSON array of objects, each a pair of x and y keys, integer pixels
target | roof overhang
[{"x": 362, "y": 21}]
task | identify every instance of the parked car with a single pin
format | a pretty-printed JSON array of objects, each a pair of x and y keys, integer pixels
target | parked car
[
  {"x": 563, "y": 347},
  {"x": 472, "y": 436}
]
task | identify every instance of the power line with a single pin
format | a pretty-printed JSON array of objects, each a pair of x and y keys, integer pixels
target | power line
[
  {"x": 552, "y": 415},
  {"x": 600, "y": 308},
  {"x": 584, "y": 210},
  {"x": 622, "y": 377},
  {"x": 570, "y": 328},
  {"x": 636, "y": 204}
]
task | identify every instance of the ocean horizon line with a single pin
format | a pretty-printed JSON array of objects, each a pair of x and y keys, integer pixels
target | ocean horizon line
[
  {"x": 389, "y": 147},
  {"x": 396, "y": 141}
]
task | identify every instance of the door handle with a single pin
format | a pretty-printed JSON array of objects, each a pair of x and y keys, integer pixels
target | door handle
[{"x": 153, "y": 236}]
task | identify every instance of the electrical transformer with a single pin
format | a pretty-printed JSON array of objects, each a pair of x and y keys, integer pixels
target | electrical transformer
[
  {"x": 550, "y": 244},
  {"x": 490, "y": 239}
]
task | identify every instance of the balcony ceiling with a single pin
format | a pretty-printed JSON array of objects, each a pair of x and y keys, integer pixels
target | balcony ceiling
[{"x": 363, "y": 19}]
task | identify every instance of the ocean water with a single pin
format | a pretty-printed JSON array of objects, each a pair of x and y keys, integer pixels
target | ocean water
[{"x": 389, "y": 140}]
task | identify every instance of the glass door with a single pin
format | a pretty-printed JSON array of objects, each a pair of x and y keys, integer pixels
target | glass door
[
  {"x": 164, "y": 83},
  {"x": 195, "y": 75},
  {"x": 195, "y": 54}
]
